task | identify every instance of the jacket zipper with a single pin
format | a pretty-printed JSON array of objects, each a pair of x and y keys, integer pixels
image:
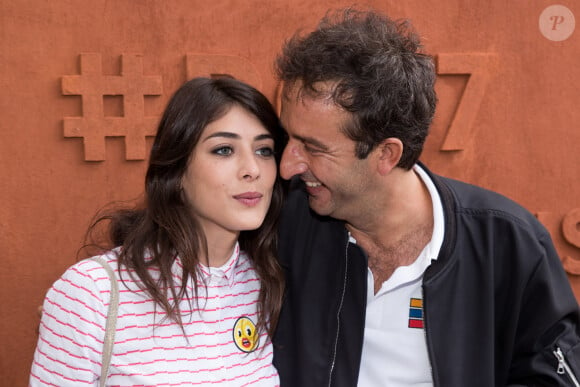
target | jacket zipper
[
  {"x": 564, "y": 368},
  {"x": 333, "y": 361},
  {"x": 427, "y": 343}
]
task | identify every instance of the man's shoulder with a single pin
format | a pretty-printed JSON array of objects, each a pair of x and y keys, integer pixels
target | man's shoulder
[
  {"x": 472, "y": 200},
  {"x": 474, "y": 197}
]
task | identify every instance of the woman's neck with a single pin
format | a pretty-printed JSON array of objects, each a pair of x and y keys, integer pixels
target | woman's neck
[{"x": 220, "y": 246}]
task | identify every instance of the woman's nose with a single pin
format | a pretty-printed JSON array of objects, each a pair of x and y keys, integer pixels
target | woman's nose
[{"x": 250, "y": 169}]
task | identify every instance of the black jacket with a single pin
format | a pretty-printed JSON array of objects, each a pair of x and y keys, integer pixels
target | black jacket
[{"x": 497, "y": 303}]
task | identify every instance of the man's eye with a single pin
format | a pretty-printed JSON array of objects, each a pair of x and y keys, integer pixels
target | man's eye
[
  {"x": 265, "y": 152},
  {"x": 310, "y": 149},
  {"x": 223, "y": 151}
]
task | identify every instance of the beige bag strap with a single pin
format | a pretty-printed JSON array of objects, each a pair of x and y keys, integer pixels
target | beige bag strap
[{"x": 111, "y": 324}]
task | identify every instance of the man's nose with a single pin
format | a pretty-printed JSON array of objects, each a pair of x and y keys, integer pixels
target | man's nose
[{"x": 293, "y": 161}]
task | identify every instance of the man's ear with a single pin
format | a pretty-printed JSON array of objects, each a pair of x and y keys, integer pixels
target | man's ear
[{"x": 388, "y": 153}]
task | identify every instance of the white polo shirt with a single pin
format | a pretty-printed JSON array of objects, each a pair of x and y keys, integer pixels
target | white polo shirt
[{"x": 394, "y": 348}]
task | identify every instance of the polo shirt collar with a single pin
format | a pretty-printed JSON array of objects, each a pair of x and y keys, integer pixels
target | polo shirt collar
[{"x": 227, "y": 270}]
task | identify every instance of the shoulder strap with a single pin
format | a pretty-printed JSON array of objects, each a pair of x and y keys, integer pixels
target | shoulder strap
[{"x": 111, "y": 323}]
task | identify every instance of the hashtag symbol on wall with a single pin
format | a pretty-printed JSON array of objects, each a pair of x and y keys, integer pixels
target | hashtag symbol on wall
[{"x": 93, "y": 126}]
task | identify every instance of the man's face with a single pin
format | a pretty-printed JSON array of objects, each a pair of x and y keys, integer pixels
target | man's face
[{"x": 322, "y": 155}]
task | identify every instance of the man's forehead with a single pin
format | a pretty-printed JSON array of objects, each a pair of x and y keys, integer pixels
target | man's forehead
[
  {"x": 305, "y": 113},
  {"x": 319, "y": 91}
]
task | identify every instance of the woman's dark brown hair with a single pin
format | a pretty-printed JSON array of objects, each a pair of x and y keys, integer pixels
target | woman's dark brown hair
[{"x": 163, "y": 228}]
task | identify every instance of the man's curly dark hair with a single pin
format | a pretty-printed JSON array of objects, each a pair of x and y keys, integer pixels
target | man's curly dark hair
[{"x": 377, "y": 73}]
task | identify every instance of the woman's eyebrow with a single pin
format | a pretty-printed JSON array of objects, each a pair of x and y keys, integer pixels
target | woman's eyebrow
[
  {"x": 265, "y": 136},
  {"x": 223, "y": 134}
]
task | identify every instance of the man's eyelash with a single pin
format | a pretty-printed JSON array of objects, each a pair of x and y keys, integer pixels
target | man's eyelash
[{"x": 310, "y": 149}]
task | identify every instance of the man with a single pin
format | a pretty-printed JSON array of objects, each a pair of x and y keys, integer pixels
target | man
[{"x": 397, "y": 276}]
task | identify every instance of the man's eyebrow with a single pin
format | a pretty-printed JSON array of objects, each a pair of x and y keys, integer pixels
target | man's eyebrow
[{"x": 312, "y": 141}]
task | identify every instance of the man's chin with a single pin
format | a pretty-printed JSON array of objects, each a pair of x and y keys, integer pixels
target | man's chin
[{"x": 317, "y": 206}]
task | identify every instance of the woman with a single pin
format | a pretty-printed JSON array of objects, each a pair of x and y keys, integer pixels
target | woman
[{"x": 199, "y": 287}]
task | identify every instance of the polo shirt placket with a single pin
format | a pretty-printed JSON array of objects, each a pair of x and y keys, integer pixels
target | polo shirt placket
[{"x": 218, "y": 313}]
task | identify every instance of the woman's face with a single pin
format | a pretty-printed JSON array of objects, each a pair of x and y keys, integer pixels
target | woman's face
[{"x": 231, "y": 174}]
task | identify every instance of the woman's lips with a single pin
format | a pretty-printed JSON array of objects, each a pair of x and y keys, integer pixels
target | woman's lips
[{"x": 249, "y": 199}]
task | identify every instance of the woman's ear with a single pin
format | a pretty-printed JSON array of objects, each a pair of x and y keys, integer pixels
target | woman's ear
[{"x": 388, "y": 154}]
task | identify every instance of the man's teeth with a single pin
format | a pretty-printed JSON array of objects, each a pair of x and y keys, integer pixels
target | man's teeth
[{"x": 312, "y": 184}]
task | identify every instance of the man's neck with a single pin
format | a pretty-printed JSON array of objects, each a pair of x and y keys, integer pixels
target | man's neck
[{"x": 396, "y": 235}]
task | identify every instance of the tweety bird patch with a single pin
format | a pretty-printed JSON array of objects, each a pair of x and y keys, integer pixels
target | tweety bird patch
[{"x": 245, "y": 335}]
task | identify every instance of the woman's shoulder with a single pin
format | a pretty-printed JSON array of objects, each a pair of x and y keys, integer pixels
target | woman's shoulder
[
  {"x": 84, "y": 286},
  {"x": 91, "y": 267},
  {"x": 88, "y": 275}
]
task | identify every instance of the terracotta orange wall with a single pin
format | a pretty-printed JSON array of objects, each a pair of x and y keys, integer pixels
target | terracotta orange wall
[{"x": 507, "y": 118}]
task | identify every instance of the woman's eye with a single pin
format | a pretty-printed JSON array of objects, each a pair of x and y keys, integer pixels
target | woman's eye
[
  {"x": 265, "y": 152},
  {"x": 223, "y": 151}
]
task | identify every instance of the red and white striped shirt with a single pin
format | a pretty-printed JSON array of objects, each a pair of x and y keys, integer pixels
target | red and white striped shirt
[{"x": 217, "y": 348}]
